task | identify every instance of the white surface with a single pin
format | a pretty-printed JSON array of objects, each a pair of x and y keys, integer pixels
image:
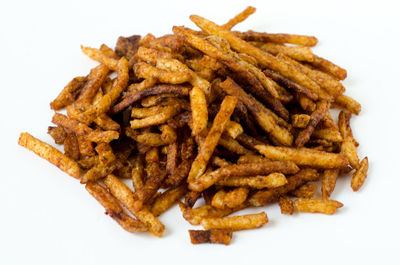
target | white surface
[{"x": 48, "y": 217}]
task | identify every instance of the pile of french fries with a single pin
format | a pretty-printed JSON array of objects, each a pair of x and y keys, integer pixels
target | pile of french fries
[{"x": 223, "y": 118}]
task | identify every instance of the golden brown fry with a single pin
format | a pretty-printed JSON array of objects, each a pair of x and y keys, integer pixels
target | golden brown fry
[
  {"x": 262, "y": 114},
  {"x": 348, "y": 147},
  {"x": 94, "y": 81},
  {"x": 272, "y": 180},
  {"x": 329, "y": 67},
  {"x": 106, "y": 154},
  {"x": 277, "y": 38},
  {"x": 127, "y": 198},
  {"x": 360, "y": 175},
  {"x": 167, "y": 113},
  {"x": 310, "y": 205},
  {"x": 136, "y": 87},
  {"x": 231, "y": 199},
  {"x": 236, "y": 223},
  {"x": 88, "y": 162},
  {"x": 315, "y": 117},
  {"x": 137, "y": 173},
  {"x": 106, "y": 123},
  {"x": 100, "y": 56},
  {"x": 85, "y": 146},
  {"x": 329, "y": 134},
  {"x": 114, "y": 209},
  {"x": 298, "y": 53},
  {"x": 304, "y": 156},
  {"x": 239, "y": 18},
  {"x": 213, "y": 236},
  {"x": 300, "y": 120},
  {"x": 305, "y": 191},
  {"x": 172, "y": 157},
  {"x": 232, "y": 145},
  {"x": 144, "y": 70},
  {"x": 49, "y": 153},
  {"x": 233, "y": 129},
  {"x": 348, "y": 104},
  {"x": 265, "y": 196},
  {"x": 199, "y": 110},
  {"x": 246, "y": 159},
  {"x": 209, "y": 179},
  {"x": 68, "y": 95},
  {"x": 286, "y": 205},
  {"x": 206, "y": 150},
  {"x": 167, "y": 199},
  {"x": 328, "y": 182}
]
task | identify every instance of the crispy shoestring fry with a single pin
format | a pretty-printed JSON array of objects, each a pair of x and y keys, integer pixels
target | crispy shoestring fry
[{"x": 214, "y": 120}]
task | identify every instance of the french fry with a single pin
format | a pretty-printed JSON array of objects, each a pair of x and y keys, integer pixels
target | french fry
[
  {"x": 200, "y": 163},
  {"x": 266, "y": 196},
  {"x": 167, "y": 113},
  {"x": 233, "y": 129},
  {"x": 100, "y": 56},
  {"x": 219, "y": 162},
  {"x": 213, "y": 236},
  {"x": 209, "y": 179},
  {"x": 348, "y": 104},
  {"x": 114, "y": 209},
  {"x": 298, "y": 53},
  {"x": 315, "y": 117},
  {"x": 137, "y": 173},
  {"x": 159, "y": 89},
  {"x": 304, "y": 156},
  {"x": 172, "y": 157},
  {"x": 329, "y": 67},
  {"x": 300, "y": 120},
  {"x": 88, "y": 162},
  {"x": 328, "y": 134},
  {"x": 236, "y": 223},
  {"x": 328, "y": 182},
  {"x": 330, "y": 84},
  {"x": 263, "y": 58},
  {"x": 277, "y": 38},
  {"x": 199, "y": 110},
  {"x": 167, "y": 199},
  {"x": 49, "y": 153},
  {"x": 246, "y": 159},
  {"x": 248, "y": 141},
  {"x": 231, "y": 199},
  {"x": 136, "y": 87},
  {"x": 85, "y": 146},
  {"x": 195, "y": 215},
  {"x": 232, "y": 145},
  {"x": 305, "y": 191},
  {"x": 127, "y": 46},
  {"x": 127, "y": 198},
  {"x": 106, "y": 123},
  {"x": 272, "y": 180},
  {"x": 262, "y": 115},
  {"x": 360, "y": 175},
  {"x": 239, "y": 17},
  {"x": 310, "y": 205},
  {"x": 348, "y": 147},
  {"x": 145, "y": 70},
  {"x": 71, "y": 146},
  {"x": 68, "y": 95},
  {"x": 57, "y": 133},
  {"x": 286, "y": 205}
]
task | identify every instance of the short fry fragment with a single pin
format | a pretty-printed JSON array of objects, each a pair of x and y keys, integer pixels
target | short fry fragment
[
  {"x": 213, "y": 236},
  {"x": 49, "y": 153},
  {"x": 233, "y": 129},
  {"x": 167, "y": 113},
  {"x": 328, "y": 182},
  {"x": 360, "y": 175},
  {"x": 167, "y": 199},
  {"x": 300, "y": 120},
  {"x": 329, "y": 67},
  {"x": 286, "y": 205},
  {"x": 68, "y": 95},
  {"x": 236, "y": 223},
  {"x": 305, "y": 191},
  {"x": 316, "y": 205},
  {"x": 348, "y": 103},
  {"x": 100, "y": 56},
  {"x": 231, "y": 199},
  {"x": 58, "y": 134}
]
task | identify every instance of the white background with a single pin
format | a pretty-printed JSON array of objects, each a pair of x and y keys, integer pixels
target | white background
[{"x": 47, "y": 217}]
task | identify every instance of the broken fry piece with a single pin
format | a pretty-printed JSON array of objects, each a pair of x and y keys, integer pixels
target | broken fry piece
[
  {"x": 213, "y": 236},
  {"x": 236, "y": 223}
]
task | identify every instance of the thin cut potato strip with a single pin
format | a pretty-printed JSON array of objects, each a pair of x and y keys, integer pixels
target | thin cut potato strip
[
  {"x": 360, "y": 175},
  {"x": 199, "y": 110},
  {"x": 304, "y": 156},
  {"x": 213, "y": 236},
  {"x": 51, "y": 154},
  {"x": 298, "y": 53},
  {"x": 348, "y": 146},
  {"x": 68, "y": 94},
  {"x": 239, "y": 18},
  {"x": 286, "y": 205},
  {"x": 316, "y": 206},
  {"x": 272, "y": 180},
  {"x": 277, "y": 38},
  {"x": 236, "y": 223}
]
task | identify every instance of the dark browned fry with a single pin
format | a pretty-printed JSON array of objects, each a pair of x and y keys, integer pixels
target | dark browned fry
[
  {"x": 277, "y": 38},
  {"x": 213, "y": 236}
]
